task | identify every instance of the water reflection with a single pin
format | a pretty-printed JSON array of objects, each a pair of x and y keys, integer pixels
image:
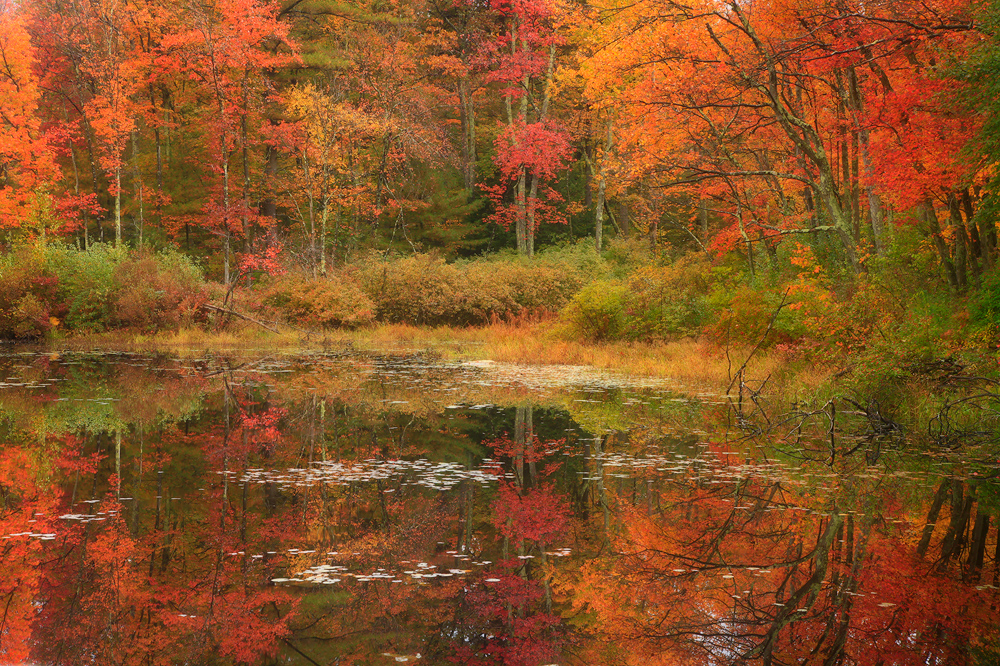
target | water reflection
[{"x": 348, "y": 508}]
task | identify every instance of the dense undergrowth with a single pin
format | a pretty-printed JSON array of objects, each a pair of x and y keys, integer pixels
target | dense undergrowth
[
  {"x": 45, "y": 289},
  {"x": 873, "y": 325}
]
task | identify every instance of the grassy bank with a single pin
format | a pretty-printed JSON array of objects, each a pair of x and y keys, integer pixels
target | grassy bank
[
  {"x": 689, "y": 318},
  {"x": 938, "y": 401},
  {"x": 687, "y": 362}
]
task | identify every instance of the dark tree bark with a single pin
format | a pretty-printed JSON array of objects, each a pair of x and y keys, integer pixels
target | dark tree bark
[{"x": 932, "y": 516}]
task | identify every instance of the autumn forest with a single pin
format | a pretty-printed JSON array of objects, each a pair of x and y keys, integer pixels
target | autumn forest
[
  {"x": 241, "y": 129},
  {"x": 499, "y": 333}
]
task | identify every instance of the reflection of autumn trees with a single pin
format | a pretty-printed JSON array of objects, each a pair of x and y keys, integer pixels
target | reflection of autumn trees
[
  {"x": 103, "y": 605},
  {"x": 26, "y": 506},
  {"x": 166, "y": 547},
  {"x": 493, "y": 613},
  {"x": 733, "y": 570},
  {"x": 130, "y": 548},
  {"x": 500, "y": 622},
  {"x": 185, "y": 528},
  {"x": 963, "y": 543},
  {"x": 105, "y": 589}
]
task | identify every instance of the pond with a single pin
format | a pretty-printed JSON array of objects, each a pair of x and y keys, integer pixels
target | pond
[{"x": 362, "y": 508}]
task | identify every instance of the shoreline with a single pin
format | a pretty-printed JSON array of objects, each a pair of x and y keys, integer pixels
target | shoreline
[{"x": 688, "y": 361}]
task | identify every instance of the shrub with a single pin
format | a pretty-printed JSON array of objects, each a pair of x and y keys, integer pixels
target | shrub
[
  {"x": 656, "y": 302},
  {"x": 96, "y": 290},
  {"x": 853, "y": 320},
  {"x": 986, "y": 309},
  {"x": 598, "y": 311},
  {"x": 417, "y": 290},
  {"x": 626, "y": 255},
  {"x": 580, "y": 259},
  {"x": 156, "y": 292},
  {"x": 334, "y": 302},
  {"x": 668, "y": 301},
  {"x": 744, "y": 314},
  {"x": 423, "y": 289},
  {"x": 28, "y": 302},
  {"x": 86, "y": 285}
]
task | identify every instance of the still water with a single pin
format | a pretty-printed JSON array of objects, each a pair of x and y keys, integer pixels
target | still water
[{"x": 349, "y": 508}]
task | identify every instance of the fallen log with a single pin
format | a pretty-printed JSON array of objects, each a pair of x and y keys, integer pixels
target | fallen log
[{"x": 216, "y": 308}]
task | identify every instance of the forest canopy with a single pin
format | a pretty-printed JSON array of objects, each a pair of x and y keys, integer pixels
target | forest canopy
[{"x": 248, "y": 134}]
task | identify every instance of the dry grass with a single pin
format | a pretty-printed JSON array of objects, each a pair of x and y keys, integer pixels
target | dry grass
[
  {"x": 687, "y": 362},
  {"x": 188, "y": 338}
]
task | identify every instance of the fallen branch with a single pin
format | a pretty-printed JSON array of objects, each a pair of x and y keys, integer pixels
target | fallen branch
[
  {"x": 234, "y": 313},
  {"x": 265, "y": 325},
  {"x": 740, "y": 374}
]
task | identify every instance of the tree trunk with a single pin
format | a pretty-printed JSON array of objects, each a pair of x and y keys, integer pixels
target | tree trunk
[
  {"x": 138, "y": 186},
  {"x": 521, "y": 223},
  {"x": 954, "y": 540},
  {"x": 269, "y": 205},
  {"x": 76, "y": 191},
  {"x": 932, "y": 516},
  {"x": 532, "y": 224},
  {"x": 245, "y": 154},
  {"x": 985, "y": 235},
  {"x": 977, "y": 549},
  {"x": 311, "y": 226},
  {"x": 88, "y": 134},
  {"x": 874, "y": 201},
  {"x": 961, "y": 242},
  {"x": 855, "y": 185},
  {"x": 934, "y": 229},
  {"x": 520, "y": 191},
  {"x": 225, "y": 223},
  {"x": 703, "y": 220},
  {"x": 976, "y": 247},
  {"x": 322, "y": 236},
  {"x": 531, "y": 220},
  {"x": 602, "y": 186},
  {"x": 468, "y": 117},
  {"x": 118, "y": 206}
]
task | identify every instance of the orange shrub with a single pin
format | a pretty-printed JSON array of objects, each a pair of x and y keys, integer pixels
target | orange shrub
[
  {"x": 156, "y": 292},
  {"x": 333, "y": 302},
  {"x": 28, "y": 290},
  {"x": 423, "y": 289}
]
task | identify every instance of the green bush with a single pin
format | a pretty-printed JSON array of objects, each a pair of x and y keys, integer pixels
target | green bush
[
  {"x": 86, "y": 284},
  {"x": 580, "y": 259},
  {"x": 625, "y": 255},
  {"x": 334, "y": 302},
  {"x": 668, "y": 301},
  {"x": 598, "y": 311},
  {"x": 986, "y": 308},
  {"x": 655, "y": 302},
  {"x": 103, "y": 288}
]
